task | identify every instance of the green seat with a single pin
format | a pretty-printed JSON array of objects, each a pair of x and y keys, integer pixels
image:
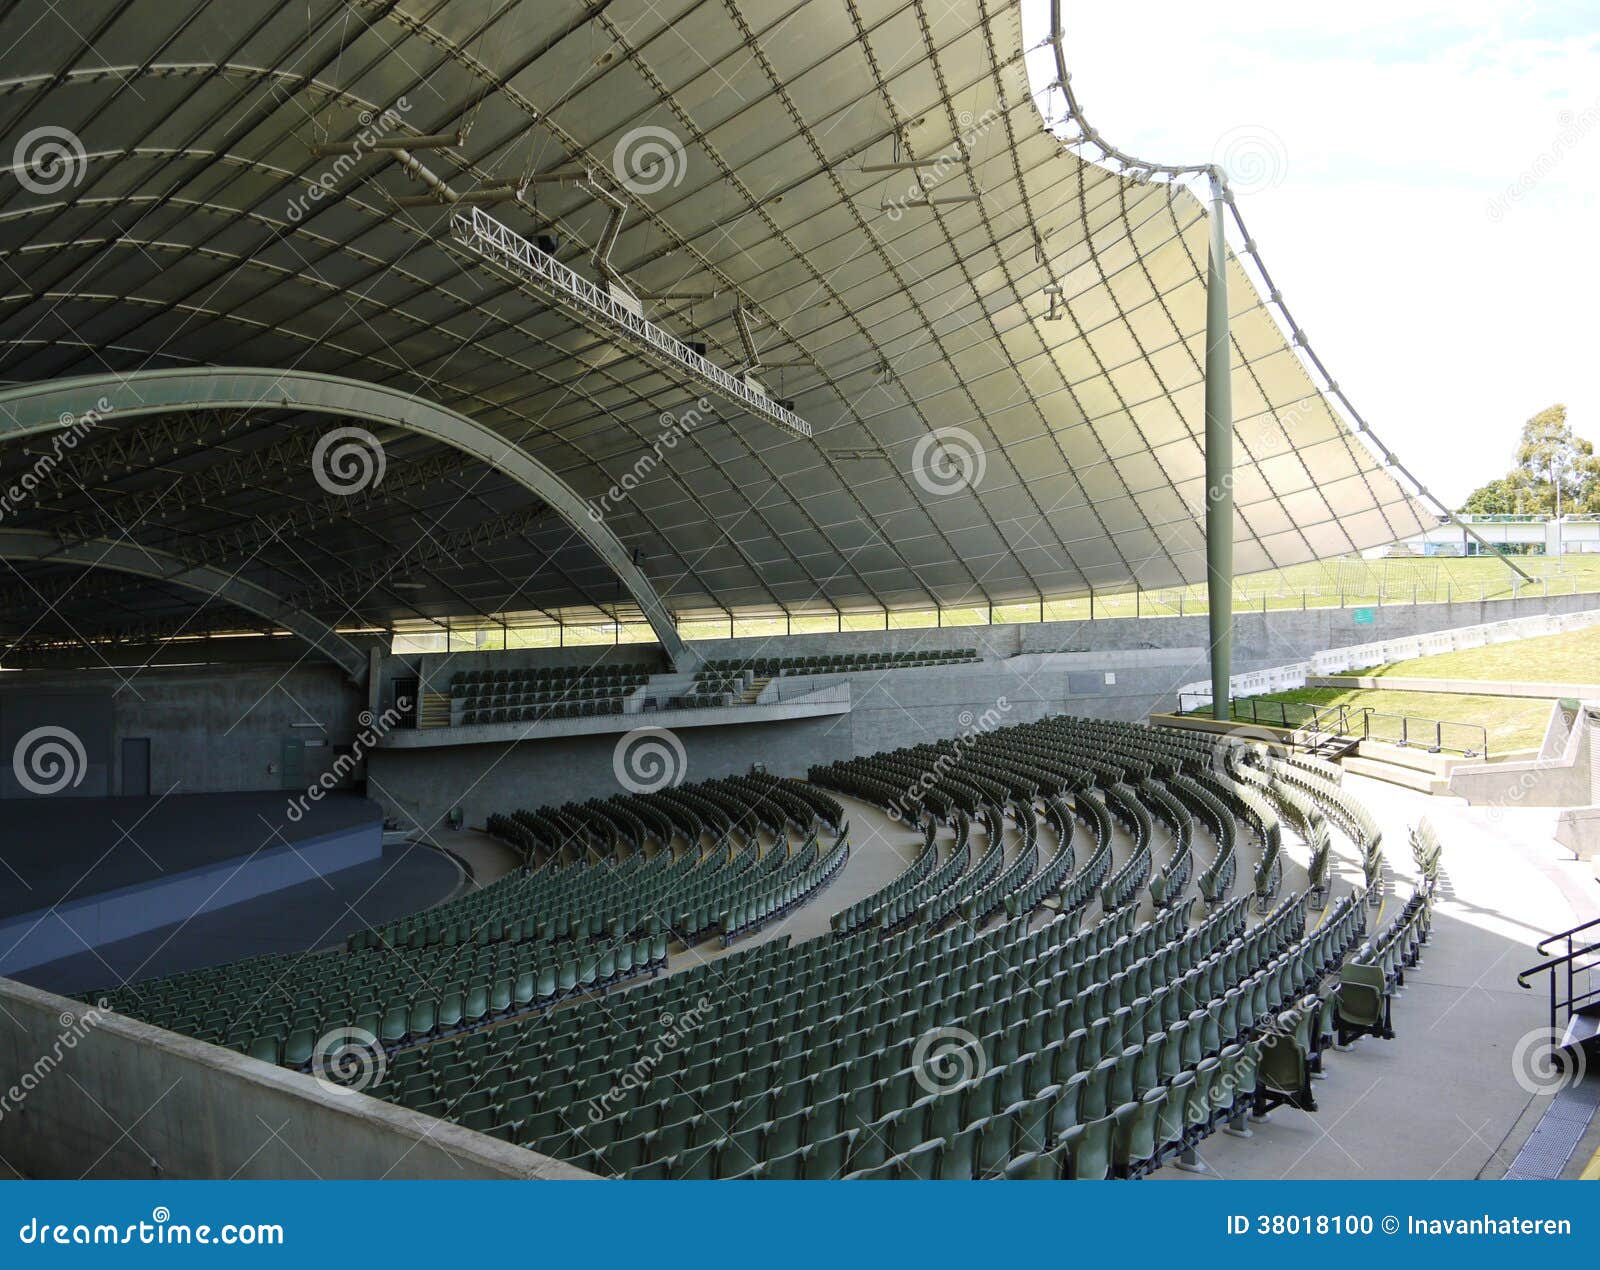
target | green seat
[
  {"x": 300, "y": 1046},
  {"x": 424, "y": 1017},
  {"x": 395, "y": 1021},
  {"x": 266, "y": 1049},
  {"x": 1085, "y": 1151},
  {"x": 1134, "y": 1145}
]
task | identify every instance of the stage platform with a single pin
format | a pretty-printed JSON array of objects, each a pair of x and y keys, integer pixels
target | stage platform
[{"x": 83, "y": 873}]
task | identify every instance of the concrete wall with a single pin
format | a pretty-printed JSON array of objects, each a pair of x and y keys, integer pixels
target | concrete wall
[
  {"x": 422, "y": 786},
  {"x": 1558, "y": 778},
  {"x": 212, "y": 729},
  {"x": 1031, "y": 670},
  {"x": 92, "y": 1094}
]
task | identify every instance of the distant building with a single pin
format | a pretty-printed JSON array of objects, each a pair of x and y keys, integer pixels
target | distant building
[{"x": 1514, "y": 535}]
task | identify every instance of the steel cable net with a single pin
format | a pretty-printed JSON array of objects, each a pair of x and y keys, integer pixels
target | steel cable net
[{"x": 996, "y": 286}]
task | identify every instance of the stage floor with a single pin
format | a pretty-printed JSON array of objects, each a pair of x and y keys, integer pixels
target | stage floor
[
  {"x": 315, "y": 914},
  {"x": 60, "y": 850}
]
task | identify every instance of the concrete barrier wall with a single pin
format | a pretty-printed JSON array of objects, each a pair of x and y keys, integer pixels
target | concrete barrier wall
[
  {"x": 1476, "y": 687},
  {"x": 1333, "y": 659},
  {"x": 1559, "y": 780},
  {"x": 86, "y": 1093}
]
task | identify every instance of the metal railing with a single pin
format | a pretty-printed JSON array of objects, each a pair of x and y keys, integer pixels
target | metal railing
[
  {"x": 1563, "y": 970},
  {"x": 599, "y": 310},
  {"x": 1437, "y": 736},
  {"x": 1471, "y": 740}
]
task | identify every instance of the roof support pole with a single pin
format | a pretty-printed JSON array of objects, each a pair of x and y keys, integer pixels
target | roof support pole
[{"x": 1219, "y": 458}]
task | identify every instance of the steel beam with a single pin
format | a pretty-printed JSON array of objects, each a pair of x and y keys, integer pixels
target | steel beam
[
  {"x": 1219, "y": 457},
  {"x": 53, "y": 405},
  {"x": 161, "y": 566}
]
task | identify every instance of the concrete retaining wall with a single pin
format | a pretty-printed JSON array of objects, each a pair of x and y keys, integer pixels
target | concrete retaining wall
[
  {"x": 85, "y": 1093},
  {"x": 1559, "y": 780},
  {"x": 1475, "y": 687}
]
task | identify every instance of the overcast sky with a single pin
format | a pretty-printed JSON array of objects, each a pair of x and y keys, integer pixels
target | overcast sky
[{"x": 1423, "y": 180}]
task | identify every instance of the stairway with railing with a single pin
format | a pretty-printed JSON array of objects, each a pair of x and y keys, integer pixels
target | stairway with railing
[{"x": 1569, "y": 983}]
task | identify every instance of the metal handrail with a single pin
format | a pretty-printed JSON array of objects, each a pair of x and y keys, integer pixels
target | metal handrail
[
  {"x": 1566, "y": 935},
  {"x": 1554, "y": 962}
]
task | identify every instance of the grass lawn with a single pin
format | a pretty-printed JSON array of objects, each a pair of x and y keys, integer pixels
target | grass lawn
[
  {"x": 1513, "y": 723},
  {"x": 1572, "y": 657},
  {"x": 1363, "y": 583}
]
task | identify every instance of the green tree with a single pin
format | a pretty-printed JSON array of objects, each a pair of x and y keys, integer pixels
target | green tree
[
  {"x": 1549, "y": 457},
  {"x": 1504, "y": 496}
]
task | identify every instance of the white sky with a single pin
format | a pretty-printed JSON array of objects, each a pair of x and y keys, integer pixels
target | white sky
[{"x": 1423, "y": 180}]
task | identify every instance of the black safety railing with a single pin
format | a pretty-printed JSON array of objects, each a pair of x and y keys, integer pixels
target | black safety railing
[
  {"x": 1564, "y": 972},
  {"x": 1437, "y": 736}
]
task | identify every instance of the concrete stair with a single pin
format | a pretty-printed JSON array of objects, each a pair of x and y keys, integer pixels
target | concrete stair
[
  {"x": 1404, "y": 765},
  {"x": 753, "y": 692},
  {"x": 433, "y": 711}
]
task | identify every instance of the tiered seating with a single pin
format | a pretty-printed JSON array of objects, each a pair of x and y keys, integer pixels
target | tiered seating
[
  {"x": 527, "y": 694},
  {"x": 824, "y": 1079},
  {"x": 714, "y": 688},
  {"x": 1351, "y": 817},
  {"x": 842, "y": 663},
  {"x": 1426, "y": 850},
  {"x": 1368, "y": 980},
  {"x": 592, "y": 910},
  {"x": 945, "y": 1028}
]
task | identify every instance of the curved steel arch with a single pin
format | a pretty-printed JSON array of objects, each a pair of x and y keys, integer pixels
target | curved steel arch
[
  {"x": 162, "y": 566},
  {"x": 60, "y": 403}
]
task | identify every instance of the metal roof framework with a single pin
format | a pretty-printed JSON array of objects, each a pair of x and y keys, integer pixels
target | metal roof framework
[{"x": 997, "y": 343}]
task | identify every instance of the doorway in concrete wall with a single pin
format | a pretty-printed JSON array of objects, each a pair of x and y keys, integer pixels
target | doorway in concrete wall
[{"x": 135, "y": 767}]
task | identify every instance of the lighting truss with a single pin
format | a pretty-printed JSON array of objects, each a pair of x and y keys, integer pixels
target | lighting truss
[{"x": 597, "y": 309}]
